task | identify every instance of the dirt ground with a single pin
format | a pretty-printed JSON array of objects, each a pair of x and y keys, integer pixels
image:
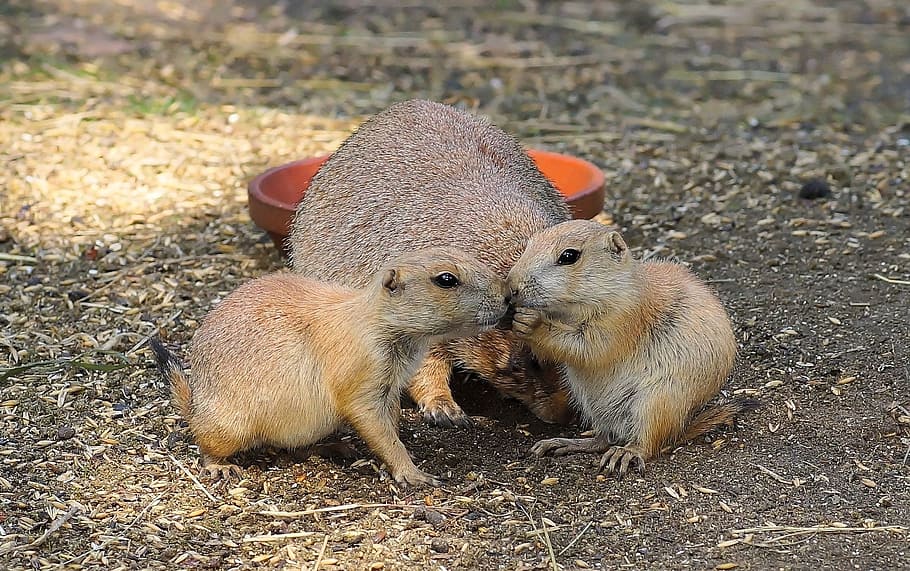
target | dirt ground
[{"x": 129, "y": 130}]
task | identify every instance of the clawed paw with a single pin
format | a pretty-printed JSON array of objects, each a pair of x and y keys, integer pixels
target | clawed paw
[
  {"x": 223, "y": 471},
  {"x": 618, "y": 460},
  {"x": 525, "y": 321},
  {"x": 416, "y": 477},
  {"x": 445, "y": 413}
]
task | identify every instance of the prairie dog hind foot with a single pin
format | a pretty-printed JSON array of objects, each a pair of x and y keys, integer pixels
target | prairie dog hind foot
[
  {"x": 219, "y": 469},
  {"x": 618, "y": 460}
]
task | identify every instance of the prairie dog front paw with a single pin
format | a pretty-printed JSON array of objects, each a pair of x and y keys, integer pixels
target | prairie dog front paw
[{"x": 525, "y": 321}]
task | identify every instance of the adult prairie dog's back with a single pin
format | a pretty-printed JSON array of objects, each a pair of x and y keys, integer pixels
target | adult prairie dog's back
[{"x": 420, "y": 174}]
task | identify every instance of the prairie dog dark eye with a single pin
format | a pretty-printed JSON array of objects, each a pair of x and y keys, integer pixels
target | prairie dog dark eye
[
  {"x": 446, "y": 280},
  {"x": 568, "y": 257}
]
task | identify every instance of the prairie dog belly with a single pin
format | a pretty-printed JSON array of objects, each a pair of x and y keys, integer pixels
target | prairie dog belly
[
  {"x": 303, "y": 410},
  {"x": 609, "y": 401}
]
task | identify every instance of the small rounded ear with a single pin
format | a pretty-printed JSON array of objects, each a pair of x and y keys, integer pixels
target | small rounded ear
[
  {"x": 616, "y": 245},
  {"x": 390, "y": 281}
]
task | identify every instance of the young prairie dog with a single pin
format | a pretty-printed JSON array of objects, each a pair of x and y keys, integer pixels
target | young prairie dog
[
  {"x": 422, "y": 174},
  {"x": 643, "y": 344},
  {"x": 284, "y": 359}
]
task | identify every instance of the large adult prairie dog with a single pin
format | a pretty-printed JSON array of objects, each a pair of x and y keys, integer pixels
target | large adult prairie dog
[
  {"x": 425, "y": 174},
  {"x": 284, "y": 359},
  {"x": 643, "y": 344}
]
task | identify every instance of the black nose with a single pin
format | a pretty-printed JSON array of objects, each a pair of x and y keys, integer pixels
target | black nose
[{"x": 508, "y": 298}]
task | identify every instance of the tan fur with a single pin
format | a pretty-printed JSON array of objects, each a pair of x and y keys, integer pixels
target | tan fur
[
  {"x": 644, "y": 344},
  {"x": 284, "y": 359},
  {"x": 422, "y": 174}
]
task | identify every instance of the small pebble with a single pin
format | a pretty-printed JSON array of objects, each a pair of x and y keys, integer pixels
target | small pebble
[
  {"x": 815, "y": 188},
  {"x": 76, "y": 294},
  {"x": 65, "y": 432},
  {"x": 439, "y": 545},
  {"x": 353, "y": 537},
  {"x": 173, "y": 438}
]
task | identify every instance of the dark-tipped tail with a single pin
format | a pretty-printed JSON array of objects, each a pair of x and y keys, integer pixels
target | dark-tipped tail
[
  {"x": 172, "y": 371},
  {"x": 721, "y": 414}
]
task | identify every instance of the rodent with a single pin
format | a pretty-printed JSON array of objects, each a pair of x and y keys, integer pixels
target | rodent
[
  {"x": 643, "y": 344},
  {"x": 422, "y": 174},
  {"x": 283, "y": 360}
]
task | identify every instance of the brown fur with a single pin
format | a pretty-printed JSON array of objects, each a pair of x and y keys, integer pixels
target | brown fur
[
  {"x": 644, "y": 344},
  {"x": 284, "y": 359},
  {"x": 715, "y": 416},
  {"x": 422, "y": 174},
  {"x": 171, "y": 369}
]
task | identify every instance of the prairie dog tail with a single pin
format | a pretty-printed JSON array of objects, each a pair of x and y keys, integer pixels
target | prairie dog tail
[
  {"x": 721, "y": 414},
  {"x": 172, "y": 371}
]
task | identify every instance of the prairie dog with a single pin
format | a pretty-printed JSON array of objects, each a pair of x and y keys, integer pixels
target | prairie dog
[
  {"x": 284, "y": 359},
  {"x": 643, "y": 344},
  {"x": 425, "y": 174}
]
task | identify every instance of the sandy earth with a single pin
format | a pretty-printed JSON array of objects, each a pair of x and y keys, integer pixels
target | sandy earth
[{"x": 130, "y": 130}]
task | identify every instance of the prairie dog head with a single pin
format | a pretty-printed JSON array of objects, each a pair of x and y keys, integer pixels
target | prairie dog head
[
  {"x": 441, "y": 292},
  {"x": 575, "y": 268}
]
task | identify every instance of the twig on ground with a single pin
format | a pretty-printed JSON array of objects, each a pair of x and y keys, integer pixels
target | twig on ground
[
  {"x": 888, "y": 280},
  {"x": 792, "y": 531},
  {"x": 318, "y": 562},
  {"x": 540, "y": 531},
  {"x": 4, "y": 257},
  {"x": 277, "y": 537},
  {"x": 195, "y": 480},
  {"x": 347, "y": 507},
  {"x": 774, "y": 475},
  {"x": 52, "y": 528},
  {"x": 730, "y": 75},
  {"x": 577, "y": 537},
  {"x": 57, "y": 524},
  {"x": 546, "y": 538}
]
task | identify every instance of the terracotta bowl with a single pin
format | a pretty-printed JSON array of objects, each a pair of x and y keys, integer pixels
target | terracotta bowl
[{"x": 275, "y": 193}]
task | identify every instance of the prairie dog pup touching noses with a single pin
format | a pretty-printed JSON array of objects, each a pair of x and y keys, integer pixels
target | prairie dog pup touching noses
[
  {"x": 284, "y": 359},
  {"x": 643, "y": 344}
]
